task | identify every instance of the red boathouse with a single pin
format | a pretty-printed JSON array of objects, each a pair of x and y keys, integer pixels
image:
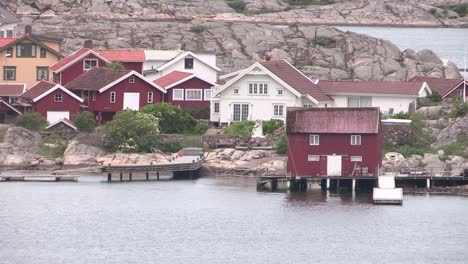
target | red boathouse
[{"x": 334, "y": 141}]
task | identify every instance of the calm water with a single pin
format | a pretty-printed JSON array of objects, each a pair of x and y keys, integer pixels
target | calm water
[
  {"x": 448, "y": 43},
  {"x": 222, "y": 221}
]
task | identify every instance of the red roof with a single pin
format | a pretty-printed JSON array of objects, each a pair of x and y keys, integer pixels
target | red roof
[
  {"x": 95, "y": 79},
  {"x": 333, "y": 120},
  {"x": 38, "y": 89},
  {"x": 374, "y": 87},
  {"x": 5, "y": 41},
  {"x": 296, "y": 79},
  {"x": 11, "y": 89},
  {"x": 171, "y": 78},
  {"x": 439, "y": 85},
  {"x": 123, "y": 55},
  {"x": 57, "y": 66}
]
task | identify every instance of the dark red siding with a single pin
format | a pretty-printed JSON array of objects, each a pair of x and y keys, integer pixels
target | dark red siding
[
  {"x": 330, "y": 144},
  {"x": 134, "y": 66},
  {"x": 75, "y": 70},
  {"x": 458, "y": 92},
  {"x": 47, "y": 104},
  {"x": 193, "y": 83}
]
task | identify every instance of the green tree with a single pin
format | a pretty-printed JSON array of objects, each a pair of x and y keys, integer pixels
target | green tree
[
  {"x": 32, "y": 121},
  {"x": 172, "y": 120},
  {"x": 115, "y": 65},
  {"x": 434, "y": 97},
  {"x": 281, "y": 146},
  {"x": 270, "y": 126},
  {"x": 85, "y": 121},
  {"x": 132, "y": 131}
]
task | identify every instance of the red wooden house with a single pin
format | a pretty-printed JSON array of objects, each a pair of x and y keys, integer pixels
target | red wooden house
[
  {"x": 106, "y": 91},
  {"x": 186, "y": 90},
  {"x": 52, "y": 101},
  {"x": 447, "y": 88},
  {"x": 334, "y": 141},
  {"x": 9, "y": 94},
  {"x": 87, "y": 58}
]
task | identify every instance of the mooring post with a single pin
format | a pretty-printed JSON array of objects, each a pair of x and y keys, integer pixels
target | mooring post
[
  {"x": 109, "y": 177},
  {"x": 130, "y": 176},
  {"x": 147, "y": 176},
  {"x": 428, "y": 183},
  {"x": 121, "y": 176},
  {"x": 157, "y": 176},
  {"x": 274, "y": 185}
]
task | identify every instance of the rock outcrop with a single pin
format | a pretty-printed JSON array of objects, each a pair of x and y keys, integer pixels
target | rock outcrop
[
  {"x": 456, "y": 130},
  {"x": 19, "y": 146},
  {"x": 78, "y": 153}
]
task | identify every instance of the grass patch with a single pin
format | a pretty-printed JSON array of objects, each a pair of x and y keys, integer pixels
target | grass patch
[
  {"x": 324, "y": 41},
  {"x": 53, "y": 147},
  {"x": 461, "y": 9},
  {"x": 459, "y": 148},
  {"x": 2, "y": 134},
  {"x": 243, "y": 128},
  {"x": 198, "y": 29},
  {"x": 192, "y": 141}
]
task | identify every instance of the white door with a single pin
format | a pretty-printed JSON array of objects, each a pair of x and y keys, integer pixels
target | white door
[
  {"x": 240, "y": 112},
  {"x": 334, "y": 165},
  {"x": 131, "y": 101},
  {"x": 54, "y": 116}
]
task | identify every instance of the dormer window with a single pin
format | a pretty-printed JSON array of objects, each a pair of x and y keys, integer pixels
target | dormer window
[
  {"x": 89, "y": 64},
  {"x": 131, "y": 79},
  {"x": 188, "y": 63},
  {"x": 26, "y": 50},
  {"x": 58, "y": 98}
]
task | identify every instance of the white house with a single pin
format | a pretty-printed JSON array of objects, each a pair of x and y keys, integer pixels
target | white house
[
  {"x": 264, "y": 91},
  {"x": 162, "y": 62},
  {"x": 8, "y": 23}
]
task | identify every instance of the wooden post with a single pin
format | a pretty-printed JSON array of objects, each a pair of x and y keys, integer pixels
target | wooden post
[
  {"x": 109, "y": 177},
  {"x": 147, "y": 176},
  {"x": 157, "y": 176},
  {"x": 130, "y": 176},
  {"x": 121, "y": 176}
]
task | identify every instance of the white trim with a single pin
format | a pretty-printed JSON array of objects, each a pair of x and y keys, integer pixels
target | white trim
[
  {"x": 110, "y": 97},
  {"x": 148, "y": 97},
  {"x": 103, "y": 89},
  {"x": 372, "y": 94},
  {"x": 357, "y": 158},
  {"x": 312, "y": 142},
  {"x": 453, "y": 89},
  {"x": 314, "y": 158},
  {"x": 182, "y": 56},
  {"x": 9, "y": 106},
  {"x": 356, "y": 137},
  {"x": 62, "y": 121},
  {"x": 84, "y": 63},
  {"x": 229, "y": 75},
  {"x": 56, "y": 97},
  {"x": 78, "y": 59},
  {"x": 178, "y": 99},
  {"x": 193, "y": 75},
  {"x": 58, "y": 86},
  {"x": 282, "y": 110},
  {"x": 188, "y": 90},
  {"x": 131, "y": 80}
]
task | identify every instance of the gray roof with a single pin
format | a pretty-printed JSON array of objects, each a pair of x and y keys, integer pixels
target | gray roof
[{"x": 7, "y": 17}]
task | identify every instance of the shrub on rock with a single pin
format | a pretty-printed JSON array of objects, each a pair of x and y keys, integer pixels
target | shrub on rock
[
  {"x": 85, "y": 121},
  {"x": 32, "y": 121},
  {"x": 172, "y": 120}
]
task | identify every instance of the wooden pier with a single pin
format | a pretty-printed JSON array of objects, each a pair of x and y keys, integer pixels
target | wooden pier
[{"x": 37, "y": 178}]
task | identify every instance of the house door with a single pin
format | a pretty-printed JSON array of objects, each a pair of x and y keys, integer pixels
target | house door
[
  {"x": 131, "y": 101},
  {"x": 240, "y": 112},
  {"x": 54, "y": 116},
  {"x": 334, "y": 165}
]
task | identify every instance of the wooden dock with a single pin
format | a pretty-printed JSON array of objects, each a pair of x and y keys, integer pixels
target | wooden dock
[{"x": 37, "y": 178}]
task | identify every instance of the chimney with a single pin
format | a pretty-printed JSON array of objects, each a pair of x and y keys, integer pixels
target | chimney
[
  {"x": 27, "y": 30},
  {"x": 88, "y": 44}
]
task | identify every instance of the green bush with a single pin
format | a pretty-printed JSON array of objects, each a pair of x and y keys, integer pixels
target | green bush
[
  {"x": 270, "y": 126},
  {"x": 197, "y": 29},
  {"x": 400, "y": 115},
  {"x": 199, "y": 112},
  {"x": 281, "y": 146},
  {"x": 32, "y": 121},
  {"x": 171, "y": 146},
  {"x": 459, "y": 108},
  {"x": 434, "y": 97},
  {"x": 419, "y": 137},
  {"x": 115, "y": 65},
  {"x": 201, "y": 128},
  {"x": 85, "y": 121},
  {"x": 172, "y": 120},
  {"x": 132, "y": 131},
  {"x": 459, "y": 148},
  {"x": 433, "y": 11},
  {"x": 243, "y": 128},
  {"x": 461, "y": 9},
  {"x": 237, "y": 5},
  {"x": 323, "y": 41}
]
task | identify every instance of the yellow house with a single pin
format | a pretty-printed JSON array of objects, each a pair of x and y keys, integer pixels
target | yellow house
[{"x": 27, "y": 59}]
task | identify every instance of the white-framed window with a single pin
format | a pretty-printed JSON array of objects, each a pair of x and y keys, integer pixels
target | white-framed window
[
  {"x": 150, "y": 97},
  {"x": 235, "y": 91},
  {"x": 188, "y": 63},
  {"x": 359, "y": 101},
  {"x": 216, "y": 108},
  {"x": 94, "y": 96},
  {"x": 355, "y": 139},
  {"x": 178, "y": 94},
  {"x": 193, "y": 94},
  {"x": 58, "y": 98},
  {"x": 278, "y": 110},
  {"x": 280, "y": 91},
  {"x": 131, "y": 79},
  {"x": 258, "y": 88},
  {"x": 112, "y": 97},
  {"x": 89, "y": 64},
  {"x": 355, "y": 158},
  {"x": 240, "y": 112},
  {"x": 207, "y": 95},
  {"x": 314, "y": 140},
  {"x": 313, "y": 158}
]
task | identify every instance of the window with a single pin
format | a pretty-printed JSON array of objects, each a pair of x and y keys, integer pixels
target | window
[
  {"x": 280, "y": 91},
  {"x": 131, "y": 79},
  {"x": 355, "y": 139},
  {"x": 236, "y": 91},
  {"x": 9, "y": 73},
  {"x": 278, "y": 110},
  {"x": 94, "y": 96},
  {"x": 189, "y": 63},
  {"x": 89, "y": 63},
  {"x": 207, "y": 94},
  {"x": 240, "y": 112},
  {"x": 178, "y": 94},
  {"x": 193, "y": 95},
  {"x": 9, "y": 33},
  {"x": 58, "y": 98},
  {"x": 216, "y": 108},
  {"x": 313, "y": 158},
  {"x": 356, "y": 158},
  {"x": 150, "y": 97},
  {"x": 359, "y": 101},
  {"x": 314, "y": 140},
  {"x": 43, "y": 52},
  {"x": 26, "y": 50},
  {"x": 42, "y": 73},
  {"x": 13, "y": 99},
  {"x": 258, "y": 88},
  {"x": 112, "y": 97},
  {"x": 9, "y": 52}
]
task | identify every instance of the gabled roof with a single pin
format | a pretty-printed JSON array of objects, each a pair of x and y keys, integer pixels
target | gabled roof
[
  {"x": 12, "y": 89},
  {"x": 372, "y": 87},
  {"x": 183, "y": 55},
  {"x": 7, "y": 17},
  {"x": 64, "y": 121},
  {"x": 333, "y": 120},
  {"x": 177, "y": 77},
  {"x": 441, "y": 85},
  {"x": 8, "y": 43},
  {"x": 134, "y": 73},
  {"x": 123, "y": 55},
  {"x": 44, "y": 88},
  {"x": 9, "y": 106},
  {"x": 73, "y": 58}
]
